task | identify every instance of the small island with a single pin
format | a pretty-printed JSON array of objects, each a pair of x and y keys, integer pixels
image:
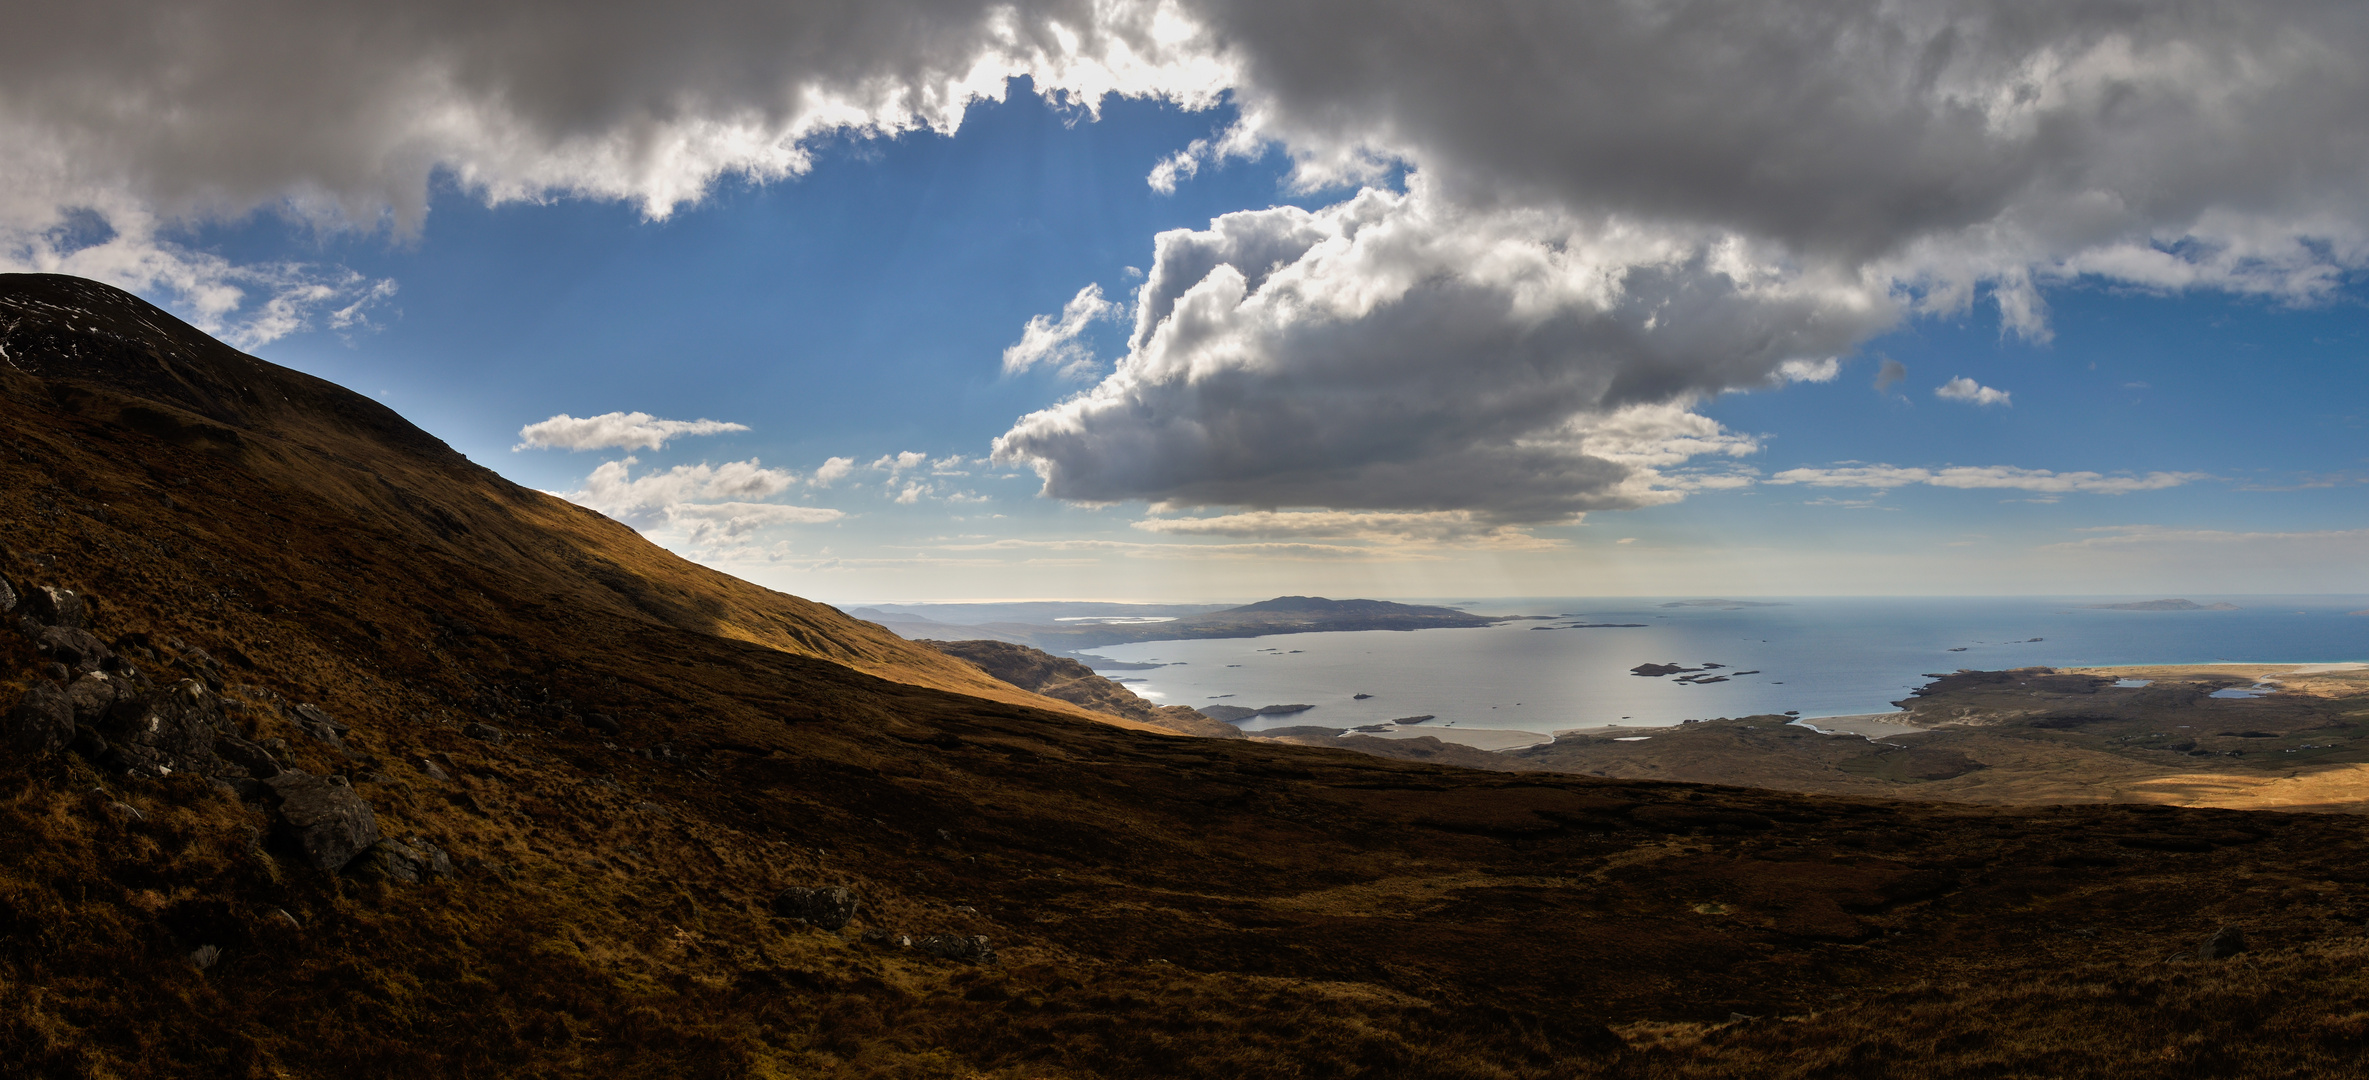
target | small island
[{"x": 2161, "y": 605}]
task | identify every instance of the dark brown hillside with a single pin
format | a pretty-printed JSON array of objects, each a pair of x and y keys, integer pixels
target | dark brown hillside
[
  {"x": 1159, "y": 906},
  {"x": 114, "y": 366}
]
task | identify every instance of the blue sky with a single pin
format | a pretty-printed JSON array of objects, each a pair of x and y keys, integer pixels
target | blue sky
[{"x": 1408, "y": 334}]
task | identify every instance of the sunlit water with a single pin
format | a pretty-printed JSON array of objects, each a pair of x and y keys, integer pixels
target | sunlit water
[{"x": 1816, "y": 657}]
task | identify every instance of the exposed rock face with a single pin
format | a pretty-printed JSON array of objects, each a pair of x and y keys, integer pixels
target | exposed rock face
[
  {"x": 173, "y": 731},
  {"x": 319, "y": 725},
  {"x": 322, "y": 819},
  {"x": 78, "y": 649},
  {"x": 397, "y": 861},
  {"x": 971, "y": 950},
  {"x": 7, "y": 598},
  {"x": 52, "y": 606},
  {"x": 1073, "y": 682},
  {"x": 486, "y": 733},
  {"x": 93, "y": 695},
  {"x": 42, "y": 722},
  {"x": 828, "y": 907},
  {"x": 246, "y": 755}
]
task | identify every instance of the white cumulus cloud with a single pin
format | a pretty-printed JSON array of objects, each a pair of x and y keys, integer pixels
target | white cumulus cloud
[
  {"x": 1970, "y": 392},
  {"x": 615, "y": 431},
  {"x": 1053, "y": 341},
  {"x": 1396, "y": 352},
  {"x": 833, "y": 470},
  {"x": 612, "y": 488}
]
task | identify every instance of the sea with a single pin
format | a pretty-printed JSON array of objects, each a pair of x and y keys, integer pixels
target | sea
[{"x": 1520, "y": 681}]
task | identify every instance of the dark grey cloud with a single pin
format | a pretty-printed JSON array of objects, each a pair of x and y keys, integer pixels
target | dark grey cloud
[
  {"x": 138, "y": 114},
  {"x": 1889, "y": 374},
  {"x": 1845, "y": 130}
]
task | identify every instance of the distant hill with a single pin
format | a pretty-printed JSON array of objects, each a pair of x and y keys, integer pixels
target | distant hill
[
  {"x": 1282, "y": 615},
  {"x": 2162, "y": 605},
  {"x": 1067, "y": 680}
]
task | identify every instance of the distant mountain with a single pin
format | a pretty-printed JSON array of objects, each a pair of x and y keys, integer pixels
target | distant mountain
[
  {"x": 2162, "y": 605},
  {"x": 1726, "y": 605},
  {"x": 916, "y": 628}
]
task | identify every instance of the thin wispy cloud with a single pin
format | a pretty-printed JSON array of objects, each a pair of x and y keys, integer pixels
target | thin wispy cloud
[
  {"x": 1983, "y": 477},
  {"x": 1443, "y": 527}
]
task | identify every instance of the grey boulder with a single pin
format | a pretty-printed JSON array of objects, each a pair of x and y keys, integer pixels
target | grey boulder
[
  {"x": 394, "y": 860},
  {"x": 52, "y": 606},
  {"x": 828, "y": 907},
  {"x": 93, "y": 695},
  {"x": 42, "y": 722},
  {"x": 486, "y": 733},
  {"x": 174, "y": 732},
  {"x": 320, "y": 725},
  {"x": 246, "y": 755},
  {"x": 7, "y": 598},
  {"x": 322, "y": 819},
  {"x": 2225, "y": 943},
  {"x": 72, "y": 646},
  {"x": 971, "y": 950}
]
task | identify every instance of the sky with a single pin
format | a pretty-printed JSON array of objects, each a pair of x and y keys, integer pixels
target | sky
[{"x": 1202, "y": 301}]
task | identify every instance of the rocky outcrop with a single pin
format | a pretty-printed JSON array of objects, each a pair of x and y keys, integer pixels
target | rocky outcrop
[
  {"x": 394, "y": 860},
  {"x": 827, "y": 908},
  {"x": 1068, "y": 680},
  {"x": 968, "y": 949},
  {"x": 52, "y": 606},
  {"x": 114, "y": 715},
  {"x": 165, "y": 732},
  {"x": 321, "y": 820},
  {"x": 41, "y": 724}
]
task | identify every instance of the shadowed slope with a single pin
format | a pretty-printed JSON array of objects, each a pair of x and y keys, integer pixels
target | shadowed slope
[{"x": 112, "y": 359}]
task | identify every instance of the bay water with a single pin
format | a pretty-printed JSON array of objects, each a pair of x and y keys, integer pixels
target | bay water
[{"x": 1814, "y": 656}]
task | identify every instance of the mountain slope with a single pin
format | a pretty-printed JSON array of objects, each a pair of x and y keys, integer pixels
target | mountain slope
[
  {"x": 349, "y": 480},
  {"x": 634, "y": 791}
]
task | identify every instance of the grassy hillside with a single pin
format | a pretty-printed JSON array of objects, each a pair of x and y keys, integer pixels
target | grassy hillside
[{"x": 632, "y": 762}]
